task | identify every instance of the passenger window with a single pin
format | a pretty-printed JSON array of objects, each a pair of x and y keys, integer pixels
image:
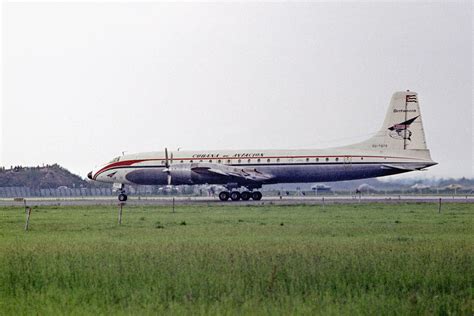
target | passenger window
[
  {"x": 249, "y": 161},
  {"x": 258, "y": 160},
  {"x": 268, "y": 160},
  {"x": 327, "y": 159}
]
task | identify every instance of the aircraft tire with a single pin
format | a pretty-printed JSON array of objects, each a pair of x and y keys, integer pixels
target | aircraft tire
[
  {"x": 224, "y": 196},
  {"x": 235, "y": 195},
  {"x": 256, "y": 196},
  {"x": 245, "y": 196},
  {"x": 122, "y": 197}
]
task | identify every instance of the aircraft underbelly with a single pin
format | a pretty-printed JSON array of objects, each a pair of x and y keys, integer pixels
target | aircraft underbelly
[
  {"x": 295, "y": 174},
  {"x": 281, "y": 174}
]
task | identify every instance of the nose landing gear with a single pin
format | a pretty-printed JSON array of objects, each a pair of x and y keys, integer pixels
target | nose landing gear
[
  {"x": 120, "y": 188},
  {"x": 122, "y": 197}
]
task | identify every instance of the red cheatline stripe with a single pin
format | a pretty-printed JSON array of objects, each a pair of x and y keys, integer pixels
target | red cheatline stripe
[
  {"x": 275, "y": 157},
  {"x": 119, "y": 163}
]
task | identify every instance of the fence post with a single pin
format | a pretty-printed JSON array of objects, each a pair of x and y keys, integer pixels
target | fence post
[
  {"x": 120, "y": 213},
  {"x": 28, "y": 214}
]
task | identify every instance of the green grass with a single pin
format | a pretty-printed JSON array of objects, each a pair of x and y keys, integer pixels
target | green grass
[{"x": 274, "y": 260}]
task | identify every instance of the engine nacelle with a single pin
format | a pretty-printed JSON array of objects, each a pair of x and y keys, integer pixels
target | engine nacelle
[{"x": 180, "y": 175}]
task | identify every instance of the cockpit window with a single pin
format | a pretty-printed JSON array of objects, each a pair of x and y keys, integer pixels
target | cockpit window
[{"x": 115, "y": 160}]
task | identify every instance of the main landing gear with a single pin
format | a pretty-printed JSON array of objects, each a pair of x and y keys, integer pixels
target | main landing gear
[{"x": 236, "y": 195}]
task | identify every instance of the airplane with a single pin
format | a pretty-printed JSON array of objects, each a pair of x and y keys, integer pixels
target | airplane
[{"x": 398, "y": 147}]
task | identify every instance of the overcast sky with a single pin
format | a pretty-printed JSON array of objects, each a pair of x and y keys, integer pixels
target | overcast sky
[{"x": 84, "y": 82}]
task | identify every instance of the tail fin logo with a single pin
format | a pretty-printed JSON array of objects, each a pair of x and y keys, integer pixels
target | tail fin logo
[{"x": 401, "y": 131}]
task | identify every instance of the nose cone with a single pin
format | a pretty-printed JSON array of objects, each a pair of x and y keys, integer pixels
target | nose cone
[{"x": 89, "y": 175}]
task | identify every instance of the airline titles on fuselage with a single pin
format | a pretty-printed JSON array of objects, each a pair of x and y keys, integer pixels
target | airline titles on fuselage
[{"x": 238, "y": 155}]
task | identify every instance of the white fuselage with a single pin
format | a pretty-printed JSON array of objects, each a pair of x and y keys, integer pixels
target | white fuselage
[{"x": 281, "y": 166}]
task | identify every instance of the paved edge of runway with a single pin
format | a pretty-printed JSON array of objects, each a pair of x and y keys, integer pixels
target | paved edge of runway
[{"x": 208, "y": 201}]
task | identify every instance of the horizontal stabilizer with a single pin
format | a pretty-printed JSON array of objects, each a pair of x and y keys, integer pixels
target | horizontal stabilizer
[{"x": 399, "y": 167}]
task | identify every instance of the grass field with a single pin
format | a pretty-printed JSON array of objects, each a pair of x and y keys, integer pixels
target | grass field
[{"x": 273, "y": 260}]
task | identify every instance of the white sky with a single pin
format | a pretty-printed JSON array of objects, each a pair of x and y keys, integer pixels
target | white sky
[{"x": 84, "y": 82}]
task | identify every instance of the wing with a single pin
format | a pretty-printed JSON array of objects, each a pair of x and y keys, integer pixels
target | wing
[{"x": 244, "y": 174}]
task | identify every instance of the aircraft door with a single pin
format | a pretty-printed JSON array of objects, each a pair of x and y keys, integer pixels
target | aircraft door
[{"x": 347, "y": 163}]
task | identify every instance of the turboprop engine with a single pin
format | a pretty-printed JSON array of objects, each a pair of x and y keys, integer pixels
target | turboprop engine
[{"x": 178, "y": 175}]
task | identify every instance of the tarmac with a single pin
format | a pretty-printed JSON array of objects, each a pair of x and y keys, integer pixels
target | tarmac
[{"x": 269, "y": 200}]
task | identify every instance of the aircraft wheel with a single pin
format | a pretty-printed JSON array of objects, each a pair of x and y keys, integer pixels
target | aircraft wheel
[
  {"x": 235, "y": 196},
  {"x": 257, "y": 196},
  {"x": 245, "y": 196},
  {"x": 122, "y": 197},
  {"x": 224, "y": 196}
]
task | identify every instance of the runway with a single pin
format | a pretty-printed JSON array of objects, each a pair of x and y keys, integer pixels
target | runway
[{"x": 270, "y": 200}]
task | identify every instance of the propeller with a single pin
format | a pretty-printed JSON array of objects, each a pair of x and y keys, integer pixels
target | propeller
[{"x": 168, "y": 162}]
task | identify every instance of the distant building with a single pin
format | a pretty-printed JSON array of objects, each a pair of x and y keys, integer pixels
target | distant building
[{"x": 320, "y": 187}]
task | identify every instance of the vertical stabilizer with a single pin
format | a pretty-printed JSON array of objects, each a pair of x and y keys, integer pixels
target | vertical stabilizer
[{"x": 402, "y": 128}]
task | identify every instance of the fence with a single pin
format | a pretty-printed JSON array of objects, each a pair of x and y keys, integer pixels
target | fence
[
  {"x": 12, "y": 192},
  {"x": 25, "y": 192}
]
